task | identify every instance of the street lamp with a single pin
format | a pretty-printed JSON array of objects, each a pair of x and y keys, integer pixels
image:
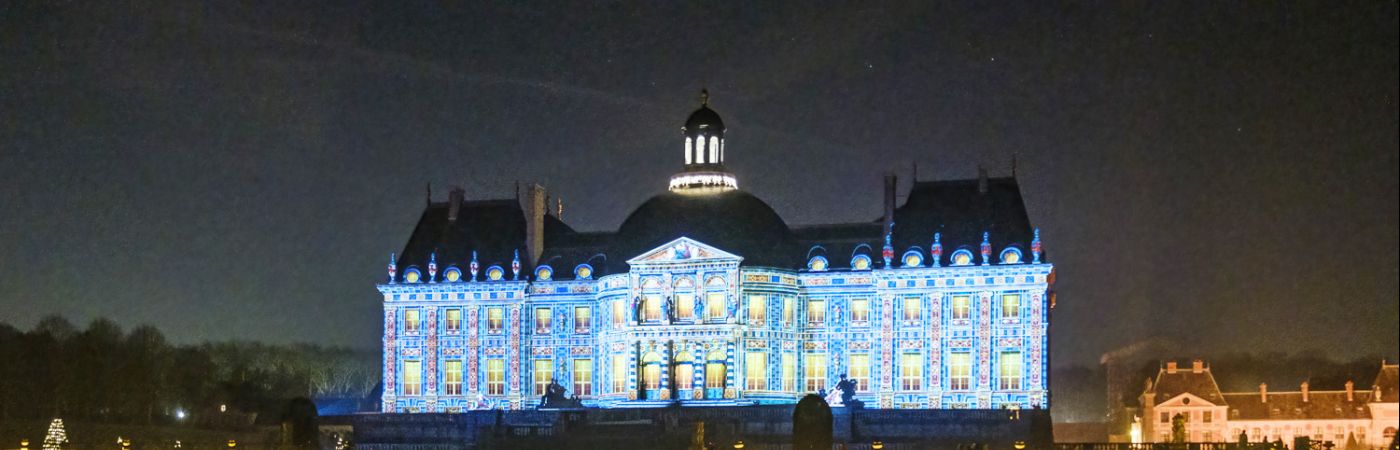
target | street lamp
[
  {"x": 24, "y": 444},
  {"x": 1020, "y": 445},
  {"x": 232, "y": 443},
  {"x": 126, "y": 443},
  {"x": 877, "y": 444},
  {"x": 739, "y": 444}
]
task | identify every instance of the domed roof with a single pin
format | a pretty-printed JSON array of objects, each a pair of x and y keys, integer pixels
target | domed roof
[
  {"x": 704, "y": 119},
  {"x": 733, "y": 221}
]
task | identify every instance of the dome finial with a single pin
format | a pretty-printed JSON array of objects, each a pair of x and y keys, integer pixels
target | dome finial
[{"x": 704, "y": 97}]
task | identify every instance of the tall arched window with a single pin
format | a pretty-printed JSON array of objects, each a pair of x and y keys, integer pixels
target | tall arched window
[
  {"x": 721, "y": 151},
  {"x": 684, "y": 374},
  {"x": 714, "y": 149},
  {"x": 715, "y": 370},
  {"x": 700, "y": 150},
  {"x": 651, "y": 371},
  {"x": 689, "y": 149}
]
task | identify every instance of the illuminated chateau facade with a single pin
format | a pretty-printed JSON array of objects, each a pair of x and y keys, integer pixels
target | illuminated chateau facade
[{"x": 705, "y": 297}]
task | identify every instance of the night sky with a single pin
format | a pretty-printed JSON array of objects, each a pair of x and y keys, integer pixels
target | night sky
[{"x": 1222, "y": 175}]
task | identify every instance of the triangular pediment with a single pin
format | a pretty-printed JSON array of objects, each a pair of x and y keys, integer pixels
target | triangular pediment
[
  {"x": 683, "y": 250},
  {"x": 1187, "y": 399}
]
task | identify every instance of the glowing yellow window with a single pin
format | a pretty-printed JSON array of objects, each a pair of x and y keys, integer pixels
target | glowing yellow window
[
  {"x": 962, "y": 306},
  {"x": 814, "y": 371},
  {"x": 619, "y": 313},
  {"x": 714, "y": 305},
  {"x": 652, "y": 307},
  {"x": 685, "y": 306},
  {"x": 787, "y": 310},
  {"x": 1010, "y": 306},
  {"x": 544, "y": 373},
  {"x": 1010, "y": 371},
  {"x": 860, "y": 371},
  {"x": 756, "y": 371},
  {"x": 912, "y": 308},
  {"x": 860, "y": 310},
  {"x": 911, "y": 371},
  {"x": 412, "y": 378},
  {"x": 715, "y": 372},
  {"x": 411, "y": 320},
  {"x": 959, "y": 371},
  {"x": 495, "y": 376},
  {"x": 619, "y": 373},
  {"x": 789, "y": 372},
  {"x": 542, "y": 316},
  {"x": 651, "y": 371},
  {"x": 495, "y": 319},
  {"x": 452, "y": 377},
  {"x": 453, "y": 319},
  {"x": 684, "y": 375},
  {"x": 816, "y": 311},
  {"x": 757, "y": 308},
  {"x": 583, "y": 319},
  {"x": 583, "y": 377}
]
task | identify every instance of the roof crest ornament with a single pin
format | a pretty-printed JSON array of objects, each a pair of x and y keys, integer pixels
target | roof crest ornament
[
  {"x": 986, "y": 248},
  {"x": 393, "y": 268},
  {"x": 936, "y": 250},
  {"x": 1035, "y": 248},
  {"x": 475, "y": 266}
]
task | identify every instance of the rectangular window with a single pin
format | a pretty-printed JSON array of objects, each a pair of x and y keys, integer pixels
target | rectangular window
[
  {"x": 583, "y": 319},
  {"x": 787, "y": 311},
  {"x": 544, "y": 373},
  {"x": 756, "y": 371},
  {"x": 685, "y": 306},
  {"x": 912, "y": 308},
  {"x": 1164, "y": 418},
  {"x": 452, "y": 377},
  {"x": 816, "y": 312},
  {"x": 583, "y": 377},
  {"x": 962, "y": 306},
  {"x": 412, "y": 378},
  {"x": 757, "y": 308},
  {"x": 495, "y": 320},
  {"x": 714, "y": 305},
  {"x": 959, "y": 371},
  {"x": 1010, "y": 370},
  {"x": 789, "y": 372},
  {"x": 411, "y": 320},
  {"x": 1010, "y": 306},
  {"x": 911, "y": 371},
  {"x": 495, "y": 376},
  {"x": 860, "y": 310},
  {"x": 542, "y": 316},
  {"x": 619, "y": 313},
  {"x": 453, "y": 319},
  {"x": 651, "y": 307},
  {"x": 814, "y": 371},
  {"x": 860, "y": 371},
  {"x": 1207, "y": 416},
  {"x": 619, "y": 373}
]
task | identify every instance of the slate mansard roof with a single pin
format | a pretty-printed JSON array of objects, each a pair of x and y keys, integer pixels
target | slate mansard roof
[
  {"x": 1278, "y": 405},
  {"x": 735, "y": 221}
]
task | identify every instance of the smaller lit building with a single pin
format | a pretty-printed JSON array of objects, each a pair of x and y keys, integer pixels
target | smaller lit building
[{"x": 1209, "y": 415}]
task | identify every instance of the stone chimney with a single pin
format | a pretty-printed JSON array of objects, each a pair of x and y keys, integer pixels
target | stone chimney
[
  {"x": 891, "y": 186},
  {"x": 534, "y": 207},
  {"x": 1171, "y": 367},
  {"x": 1263, "y": 392},
  {"x": 981, "y": 180},
  {"x": 1351, "y": 391},
  {"x": 1198, "y": 366},
  {"x": 454, "y": 203},
  {"x": 1304, "y": 387}
]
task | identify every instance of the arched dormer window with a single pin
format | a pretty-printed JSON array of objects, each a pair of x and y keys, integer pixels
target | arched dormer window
[
  {"x": 913, "y": 258},
  {"x": 1011, "y": 255},
  {"x": 689, "y": 150},
  {"x": 817, "y": 264},
  {"x": 412, "y": 275},
  {"x": 583, "y": 272},
  {"x": 544, "y": 273},
  {"x": 452, "y": 274},
  {"x": 860, "y": 262},
  {"x": 495, "y": 273},
  {"x": 962, "y": 257}
]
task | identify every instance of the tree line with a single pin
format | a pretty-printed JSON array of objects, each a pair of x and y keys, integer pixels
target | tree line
[{"x": 103, "y": 373}]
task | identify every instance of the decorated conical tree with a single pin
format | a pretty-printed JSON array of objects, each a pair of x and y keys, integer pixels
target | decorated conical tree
[{"x": 57, "y": 437}]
